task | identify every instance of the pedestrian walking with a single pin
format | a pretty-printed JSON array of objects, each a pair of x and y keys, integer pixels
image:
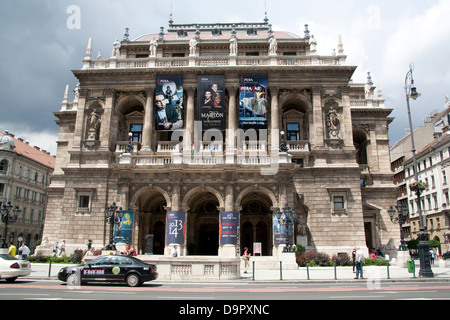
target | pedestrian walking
[
  {"x": 246, "y": 258},
  {"x": 359, "y": 256},
  {"x": 354, "y": 259},
  {"x": 55, "y": 248},
  {"x": 24, "y": 251},
  {"x": 12, "y": 249},
  {"x": 432, "y": 256},
  {"x": 62, "y": 248}
]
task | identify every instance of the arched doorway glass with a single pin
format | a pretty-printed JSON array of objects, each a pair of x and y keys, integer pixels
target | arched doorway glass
[
  {"x": 203, "y": 225},
  {"x": 256, "y": 222}
]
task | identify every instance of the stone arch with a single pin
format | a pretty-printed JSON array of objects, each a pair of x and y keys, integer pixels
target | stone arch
[
  {"x": 251, "y": 189},
  {"x": 200, "y": 189},
  {"x": 129, "y": 110},
  {"x": 361, "y": 143},
  {"x": 150, "y": 190},
  {"x": 297, "y": 116}
]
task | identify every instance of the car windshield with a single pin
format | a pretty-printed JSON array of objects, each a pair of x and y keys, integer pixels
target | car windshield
[{"x": 7, "y": 257}]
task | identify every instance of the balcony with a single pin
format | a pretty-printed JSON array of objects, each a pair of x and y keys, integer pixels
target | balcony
[{"x": 177, "y": 62}]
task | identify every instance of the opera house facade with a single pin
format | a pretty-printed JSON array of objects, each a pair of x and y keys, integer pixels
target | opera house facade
[{"x": 216, "y": 137}]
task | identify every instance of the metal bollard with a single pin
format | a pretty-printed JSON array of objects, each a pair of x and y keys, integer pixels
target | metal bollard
[
  {"x": 387, "y": 263},
  {"x": 281, "y": 270},
  {"x": 253, "y": 275},
  {"x": 335, "y": 271},
  {"x": 307, "y": 270},
  {"x": 50, "y": 268}
]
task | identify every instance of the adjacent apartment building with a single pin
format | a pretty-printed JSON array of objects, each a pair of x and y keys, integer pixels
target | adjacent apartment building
[{"x": 25, "y": 174}]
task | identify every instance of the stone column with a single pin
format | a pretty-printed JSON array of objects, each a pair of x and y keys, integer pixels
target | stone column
[
  {"x": 232, "y": 125},
  {"x": 317, "y": 132},
  {"x": 275, "y": 120},
  {"x": 149, "y": 119},
  {"x": 80, "y": 121},
  {"x": 189, "y": 124},
  {"x": 106, "y": 142}
]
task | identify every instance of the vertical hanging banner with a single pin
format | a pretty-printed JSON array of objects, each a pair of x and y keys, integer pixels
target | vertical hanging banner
[
  {"x": 211, "y": 101},
  {"x": 253, "y": 102},
  {"x": 123, "y": 229},
  {"x": 176, "y": 227},
  {"x": 169, "y": 103},
  {"x": 229, "y": 222},
  {"x": 281, "y": 233}
]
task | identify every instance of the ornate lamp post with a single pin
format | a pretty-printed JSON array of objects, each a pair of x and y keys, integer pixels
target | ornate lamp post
[
  {"x": 422, "y": 235},
  {"x": 402, "y": 213},
  {"x": 8, "y": 218},
  {"x": 112, "y": 219},
  {"x": 288, "y": 212},
  {"x": 130, "y": 146},
  {"x": 283, "y": 147}
]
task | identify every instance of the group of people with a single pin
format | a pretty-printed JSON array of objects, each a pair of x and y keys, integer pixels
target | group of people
[
  {"x": 24, "y": 251},
  {"x": 59, "y": 249}
]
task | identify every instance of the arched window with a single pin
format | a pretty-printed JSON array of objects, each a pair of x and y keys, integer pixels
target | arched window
[{"x": 360, "y": 142}]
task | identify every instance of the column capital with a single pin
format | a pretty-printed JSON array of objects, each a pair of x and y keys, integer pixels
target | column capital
[{"x": 149, "y": 91}]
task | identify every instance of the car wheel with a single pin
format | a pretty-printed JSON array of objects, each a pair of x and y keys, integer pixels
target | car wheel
[
  {"x": 133, "y": 280},
  {"x": 73, "y": 280},
  {"x": 11, "y": 279}
]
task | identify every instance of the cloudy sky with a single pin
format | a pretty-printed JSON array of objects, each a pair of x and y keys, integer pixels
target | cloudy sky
[{"x": 43, "y": 40}]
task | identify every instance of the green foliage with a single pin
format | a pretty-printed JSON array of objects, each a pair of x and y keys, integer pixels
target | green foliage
[
  {"x": 299, "y": 248},
  {"x": 375, "y": 262},
  {"x": 342, "y": 259},
  {"x": 75, "y": 258}
]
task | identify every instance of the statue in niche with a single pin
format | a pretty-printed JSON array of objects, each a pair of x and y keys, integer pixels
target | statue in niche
[
  {"x": 301, "y": 221},
  {"x": 94, "y": 125},
  {"x": 333, "y": 123}
]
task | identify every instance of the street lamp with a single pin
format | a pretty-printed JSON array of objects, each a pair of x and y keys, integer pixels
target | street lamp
[
  {"x": 112, "y": 219},
  {"x": 8, "y": 218},
  {"x": 130, "y": 146},
  {"x": 422, "y": 235},
  {"x": 402, "y": 213},
  {"x": 283, "y": 147},
  {"x": 288, "y": 212}
]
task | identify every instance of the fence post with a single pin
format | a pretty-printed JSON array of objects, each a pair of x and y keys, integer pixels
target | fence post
[{"x": 387, "y": 263}]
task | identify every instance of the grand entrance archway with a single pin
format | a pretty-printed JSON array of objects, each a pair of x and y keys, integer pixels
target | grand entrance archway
[
  {"x": 203, "y": 224},
  {"x": 256, "y": 222},
  {"x": 151, "y": 204}
]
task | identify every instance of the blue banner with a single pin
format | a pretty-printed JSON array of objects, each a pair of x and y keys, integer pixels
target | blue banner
[
  {"x": 229, "y": 222},
  {"x": 283, "y": 230},
  {"x": 169, "y": 103},
  {"x": 253, "y": 102},
  {"x": 123, "y": 229},
  {"x": 176, "y": 227}
]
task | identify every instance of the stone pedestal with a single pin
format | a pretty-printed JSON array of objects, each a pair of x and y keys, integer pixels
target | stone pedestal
[{"x": 402, "y": 258}]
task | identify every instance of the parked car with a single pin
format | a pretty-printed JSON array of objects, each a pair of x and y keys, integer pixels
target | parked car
[
  {"x": 111, "y": 268},
  {"x": 446, "y": 255},
  {"x": 11, "y": 268}
]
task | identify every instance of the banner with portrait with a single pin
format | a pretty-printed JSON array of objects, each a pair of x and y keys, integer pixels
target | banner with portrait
[
  {"x": 168, "y": 103},
  {"x": 176, "y": 227},
  {"x": 283, "y": 230},
  {"x": 211, "y": 101},
  {"x": 123, "y": 228},
  {"x": 253, "y": 103},
  {"x": 229, "y": 222}
]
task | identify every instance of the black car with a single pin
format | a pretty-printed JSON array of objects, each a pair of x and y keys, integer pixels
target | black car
[
  {"x": 446, "y": 255},
  {"x": 111, "y": 268}
]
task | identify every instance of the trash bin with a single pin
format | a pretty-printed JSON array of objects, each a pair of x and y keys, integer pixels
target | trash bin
[{"x": 410, "y": 264}]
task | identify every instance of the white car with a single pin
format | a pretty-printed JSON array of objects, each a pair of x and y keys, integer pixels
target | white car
[{"x": 12, "y": 268}]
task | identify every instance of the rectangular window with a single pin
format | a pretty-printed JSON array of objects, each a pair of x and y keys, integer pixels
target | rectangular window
[
  {"x": 136, "y": 131},
  {"x": 338, "y": 202},
  {"x": 83, "y": 202},
  {"x": 292, "y": 132}
]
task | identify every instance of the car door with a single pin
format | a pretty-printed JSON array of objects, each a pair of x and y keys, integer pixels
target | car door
[
  {"x": 121, "y": 265},
  {"x": 97, "y": 270}
]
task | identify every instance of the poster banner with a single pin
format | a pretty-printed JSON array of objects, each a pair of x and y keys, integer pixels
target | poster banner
[
  {"x": 253, "y": 102},
  {"x": 280, "y": 234},
  {"x": 229, "y": 222},
  {"x": 168, "y": 103},
  {"x": 123, "y": 230},
  {"x": 211, "y": 101},
  {"x": 176, "y": 227}
]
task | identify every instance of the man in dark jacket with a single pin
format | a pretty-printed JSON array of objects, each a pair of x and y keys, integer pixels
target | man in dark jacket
[{"x": 166, "y": 115}]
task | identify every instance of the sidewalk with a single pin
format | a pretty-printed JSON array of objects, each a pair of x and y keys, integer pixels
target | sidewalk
[{"x": 41, "y": 271}]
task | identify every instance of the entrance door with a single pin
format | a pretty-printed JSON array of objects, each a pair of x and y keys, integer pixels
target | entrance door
[
  {"x": 209, "y": 239},
  {"x": 368, "y": 232},
  {"x": 159, "y": 239}
]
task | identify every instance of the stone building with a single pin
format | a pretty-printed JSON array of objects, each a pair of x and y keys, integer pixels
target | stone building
[
  {"x": 254, "y": 120},
  {"x": 25, "y": 174}
]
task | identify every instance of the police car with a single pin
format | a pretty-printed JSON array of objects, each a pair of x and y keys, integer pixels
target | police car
[{"x": 111, "y": 268}]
